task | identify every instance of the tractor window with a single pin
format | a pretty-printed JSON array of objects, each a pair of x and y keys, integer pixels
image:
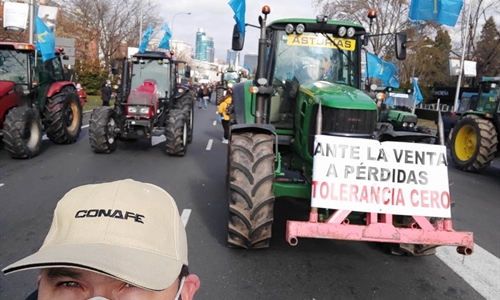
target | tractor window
[
  {"x": 14, "y": 66},
  {"x": 488, "y": 101},
  {"x": 151, "y": 69},
  {"x": 58, "y": 69},
  {"x": 232, "y": 76}
]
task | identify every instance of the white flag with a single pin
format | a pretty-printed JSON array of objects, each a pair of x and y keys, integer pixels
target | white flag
[
  {"x": 470, "y": 68},
  {"x": 15, "y": 15}
]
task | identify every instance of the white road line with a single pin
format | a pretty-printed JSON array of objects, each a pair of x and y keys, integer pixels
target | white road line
[
  {"x": 2, "y": 184},
  {"x": 158, "y": 139},
  {"x": 215, "y": 123},
  {"x": 185, "y": 216},
  {"x": 209, "y": 145},
  {"x": 480, "y": 270},
  {"x": 85, "y": 126}
]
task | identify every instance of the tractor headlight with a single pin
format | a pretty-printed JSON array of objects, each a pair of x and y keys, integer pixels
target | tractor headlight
[
  {"x": 289, "y": 28},
  {"x": 144, "y": 110},
  {"x": 412, "y": 125},
  {"x": 132, "y": 110},
  {"x": 300, "y": 29},
  {"x": 351, "y": 31},
  {"x": 409, "y": 91},
  {"x": 380, "y": 96},
  {"x": 342, "y": 31},
  {"x": 405, "y": 124},
  {"x": 181, "y": 90}
]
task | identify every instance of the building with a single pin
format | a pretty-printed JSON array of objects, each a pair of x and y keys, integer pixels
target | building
[
  {"x": 183, "y": 50},
  {"x": 232, "y": 58},
  {"x": 205, "y": 50},
  {"x": 251, "y": 62}
]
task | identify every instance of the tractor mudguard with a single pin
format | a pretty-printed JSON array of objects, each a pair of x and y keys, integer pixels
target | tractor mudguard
[
  {"x": 180, "y": 91},
  {"x": 260, "y": 128},
  {"x": 57, "y": 86}
]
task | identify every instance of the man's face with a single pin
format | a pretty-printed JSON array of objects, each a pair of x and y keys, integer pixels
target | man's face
[{"x": 76, "y": 284}]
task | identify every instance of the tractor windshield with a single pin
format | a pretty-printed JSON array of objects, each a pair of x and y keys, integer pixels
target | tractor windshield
[
  {"x": 14, "y": 66},
  {"x": 399, "y": 100},
  {"x": 313, "y": 57},
  {"x": 151, "y": 69},
  {"x": 488, "y": 101},
  {"x": 231, "y": 76}
]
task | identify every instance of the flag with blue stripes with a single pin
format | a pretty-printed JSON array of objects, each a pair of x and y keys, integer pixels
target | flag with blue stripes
[
  {"x": 385, "y": 71},
  {"x": 45, "y": 40}
]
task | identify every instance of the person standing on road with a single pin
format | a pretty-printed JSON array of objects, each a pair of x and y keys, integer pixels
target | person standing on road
[
  {"x": 106, "y": 93},
  {"x": 225, "y": 110},
  {"x": 117, "y": 240}
]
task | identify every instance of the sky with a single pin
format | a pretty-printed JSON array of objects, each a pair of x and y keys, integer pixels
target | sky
[{"x": 216, "y": 18}]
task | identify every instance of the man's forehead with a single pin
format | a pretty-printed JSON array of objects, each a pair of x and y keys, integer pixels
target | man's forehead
[{"x": 63, "y": 272}]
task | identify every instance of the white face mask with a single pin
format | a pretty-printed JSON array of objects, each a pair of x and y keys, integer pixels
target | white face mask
[{"x": 177, "y": 296}]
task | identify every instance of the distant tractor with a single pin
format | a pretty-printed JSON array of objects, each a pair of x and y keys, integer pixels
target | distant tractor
[
  {"x": 149, "y": 103},
  {"x": 474, "y": 138},
  {"x": 228, "y": 77},
  {"x": 35, "y": 97},
  {"x": 307, "y": 84}
]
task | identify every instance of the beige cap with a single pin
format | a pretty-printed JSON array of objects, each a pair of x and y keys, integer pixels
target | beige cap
[{"x": 125, "y": 229}]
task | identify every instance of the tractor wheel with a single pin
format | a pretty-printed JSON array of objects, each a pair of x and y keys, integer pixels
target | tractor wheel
[
  {"x": 176, "y": 131},
  {"x": 22, "y": 133},
  {"x": 186, "y": 103},
  {"x": 383, "y": 128},
  {"x": 219, "y": 95},
  {"x": 102, "y": 126},
  {"x": 474, "y": 143},
  {"x": 63, "y": 116},
  {"x": 250, "y": 190}
]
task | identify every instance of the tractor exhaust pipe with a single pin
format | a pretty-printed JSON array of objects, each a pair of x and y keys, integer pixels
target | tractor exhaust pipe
[
  {"x": 440, "y": 124},
  {"x": 125, "y": 79},
  {"x": 261, "y": 66}
]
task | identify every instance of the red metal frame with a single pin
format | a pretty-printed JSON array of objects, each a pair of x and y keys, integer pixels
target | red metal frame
[{"x": 420, "y": 232}]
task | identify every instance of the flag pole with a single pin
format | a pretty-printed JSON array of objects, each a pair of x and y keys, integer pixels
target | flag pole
[
  {"x": 457, "y": 92},
  {"x": 31, "y": 20}
]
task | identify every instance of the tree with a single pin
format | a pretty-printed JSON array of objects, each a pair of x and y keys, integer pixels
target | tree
[{"x": 487, "y": 52}]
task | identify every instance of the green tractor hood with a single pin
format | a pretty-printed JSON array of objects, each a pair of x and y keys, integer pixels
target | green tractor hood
[{"x": 338, "y": 95}]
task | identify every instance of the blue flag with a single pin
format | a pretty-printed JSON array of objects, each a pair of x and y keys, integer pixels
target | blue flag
[
  {"x": 145, "y": 39},
  {"x": 417, "y": 95},
  {"x": 444, "y": 12},
  {"x": 239, "y": 8},
  {"x": 45, "y": 40},
  {"x": 165, "y": 41},
  {"x": 375, "y": 67},
  {"x": 245, "y": 66}
]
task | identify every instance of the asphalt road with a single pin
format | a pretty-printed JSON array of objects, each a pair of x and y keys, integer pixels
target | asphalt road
[{"x": 314, "y": 269}]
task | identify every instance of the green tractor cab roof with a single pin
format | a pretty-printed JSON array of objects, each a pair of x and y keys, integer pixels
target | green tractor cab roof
[{"x": 312, "y": 25}]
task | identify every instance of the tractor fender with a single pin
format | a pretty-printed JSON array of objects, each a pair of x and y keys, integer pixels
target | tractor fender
[
  {"x": 180, "y": 91},
  {"x": 57, "y": 86},
  {"x": 260, "y": 128}
]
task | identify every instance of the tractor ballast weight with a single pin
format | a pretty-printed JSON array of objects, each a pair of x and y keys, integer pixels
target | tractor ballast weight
[
  {"x": 35, "y": 97},
  {"x": 278, "y": 115},
  {"x": 474, "y": 138},
  {"x": 149, "y": 103}
]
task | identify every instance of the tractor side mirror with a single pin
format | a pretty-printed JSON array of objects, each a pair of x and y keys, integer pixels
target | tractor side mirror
[
  {"x": 365, "y": 39},
  {"x": 187, "y": 72},
  {"x": 238, "y": 39},
  {"x": 401, "y": 45},
  {"x": 114, "y": 67},
  {"x": 487, "y": 87}
]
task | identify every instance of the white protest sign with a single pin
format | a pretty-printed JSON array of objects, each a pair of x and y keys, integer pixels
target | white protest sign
[
  {"x": 15, "y": 15},
  {"x": 392, "y": 178}
]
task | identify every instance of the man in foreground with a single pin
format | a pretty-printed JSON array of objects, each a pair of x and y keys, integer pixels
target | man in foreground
[{"x": 119, "y": 240}]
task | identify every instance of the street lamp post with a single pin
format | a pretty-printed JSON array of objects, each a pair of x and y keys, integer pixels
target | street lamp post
[{"x": 172, "y": 22}]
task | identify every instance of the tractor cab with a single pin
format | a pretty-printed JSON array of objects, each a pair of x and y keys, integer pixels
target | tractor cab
[
  {"x": 232, "y": 77},
  {"x": 488, "y": 98}
]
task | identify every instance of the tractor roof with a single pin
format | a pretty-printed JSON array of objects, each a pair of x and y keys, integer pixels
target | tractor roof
[
  {"x": 17, "y": 46},
  {"x": 312, "y": 25},
  {"x": 153, "y": 55}
]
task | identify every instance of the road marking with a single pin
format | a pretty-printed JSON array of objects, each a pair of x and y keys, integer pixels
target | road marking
[
  {"x": 209, "y": 145},
  {"x": 2, "y": 184},
  {"x": 481, "y": 270},
  {"x": 85, "y": 126},
  {"x": 215, "y": 122},
  {"x": 185, "y": 216},
  {"x": 158, "y": 139}
]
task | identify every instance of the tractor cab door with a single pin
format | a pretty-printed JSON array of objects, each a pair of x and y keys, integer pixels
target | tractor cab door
[{"x": 45, "y": 74}]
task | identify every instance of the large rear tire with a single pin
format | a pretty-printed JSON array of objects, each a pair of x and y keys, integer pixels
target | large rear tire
[
  {"x": 474, "y": 143},
  {"x": 22, "y": 133},
  {"x": 426, "y": 130},
  {"x": 63, "y": 116},
  {"x": 186, "y": 103},
  {"x": 102, "y": 126},
  {"x": 176, "y": 131},
  {"x": 250, "y": 185},
  {"x": 219, "y": 95}
]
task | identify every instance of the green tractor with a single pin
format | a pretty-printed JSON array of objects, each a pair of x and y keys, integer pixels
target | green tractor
[
  {"x": 308, "y": 80},
  {"x": 227, "y": 78},
  {"x": 395, "y": 110},
  {"x": 474, "y": 139}
]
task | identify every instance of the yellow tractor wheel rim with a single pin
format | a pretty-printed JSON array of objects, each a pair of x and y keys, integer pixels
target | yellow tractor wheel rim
[
  {"x": 466, "y": 143},
  {"x": 74, "y": 122}
]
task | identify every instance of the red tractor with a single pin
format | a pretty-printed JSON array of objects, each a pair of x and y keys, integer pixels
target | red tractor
[
  {"x": 149, "y": 103},
  {"x": 35, "y": 97}
]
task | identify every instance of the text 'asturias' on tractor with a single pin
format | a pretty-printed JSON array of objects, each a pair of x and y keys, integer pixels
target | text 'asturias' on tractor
[
  {"x": 35, "y": 98},
  {"x": 149, "y": 103},
  {"x": 305, "y": 129}
]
